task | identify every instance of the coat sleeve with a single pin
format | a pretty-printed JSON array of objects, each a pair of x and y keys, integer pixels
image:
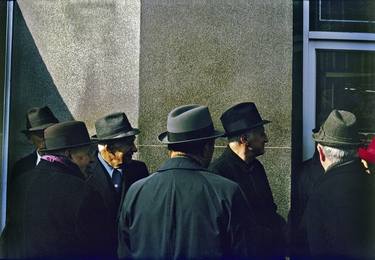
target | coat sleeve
[
  {"x": 92, "y": 218},
  {"x": 317, "y": 235},
  {"x": 242, "y": 227},
  {"x": 124, "y": 249}
]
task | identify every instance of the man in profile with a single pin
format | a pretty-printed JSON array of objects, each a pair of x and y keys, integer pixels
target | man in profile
[
  {"x": 37, "y": 119},
  {"x": 244, "y": 129},
  {"x": 113, "y": 170},
  {"x": 183, "y": 210}
]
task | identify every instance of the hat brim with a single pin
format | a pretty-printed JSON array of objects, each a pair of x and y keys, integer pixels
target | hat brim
[
  {"x": 317, "y": 138},
  {"x": 365, "y": 155},
  {"x": 163, "y": 138},
  {"x": 68, "y": 147},
  {"x": 241, "y": 131},
  {"x": 37, "y": 128},
  {"x": 132, "y": 132}
]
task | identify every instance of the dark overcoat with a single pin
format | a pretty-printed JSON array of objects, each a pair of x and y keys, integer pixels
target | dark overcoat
[
  {"x": 307, "y": 176},
  {"x": 254, "y": 183},
  {"x": 339, "y": 212},
  {"x": 100, "y": 179},
  {"x": 184, "y": 211},
  {"x": 54, "y": 213},
  {"x": 21, "y": 166}
]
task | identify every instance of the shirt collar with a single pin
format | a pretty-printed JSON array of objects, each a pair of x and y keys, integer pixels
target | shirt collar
[
  {"x": 107, "y": 167},
  {"x": 38, "y": 157}
]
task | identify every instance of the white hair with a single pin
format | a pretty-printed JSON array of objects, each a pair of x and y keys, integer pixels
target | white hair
[{"x": 336, "y": 155}]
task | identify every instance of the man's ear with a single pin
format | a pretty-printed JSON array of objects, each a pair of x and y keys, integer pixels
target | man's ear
[
  {"x": 322, "y": 156},
  {"x": 243, "y": 139},
  {"x": 68, "y": 154}
]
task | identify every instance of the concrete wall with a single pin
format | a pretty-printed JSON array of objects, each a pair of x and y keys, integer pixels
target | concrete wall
[
  {"x": 86, "y": 58},
  {"x": 219, "y": 53},
  {"x": 80, "y": 57}
]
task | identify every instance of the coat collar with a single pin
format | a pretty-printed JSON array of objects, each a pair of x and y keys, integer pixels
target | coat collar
[
  {"x": 348, "y": 166},
  {"x": 61, "y": 168},
  {"x": 234, "y": 159},
  {"x": 182, "y": 162}
]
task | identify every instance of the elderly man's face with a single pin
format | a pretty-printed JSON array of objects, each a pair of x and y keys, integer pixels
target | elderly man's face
[
  {"x": 257, "y": 141},
  {"x": 120, "y": 152},
  {"x": 37, "y": 139}
]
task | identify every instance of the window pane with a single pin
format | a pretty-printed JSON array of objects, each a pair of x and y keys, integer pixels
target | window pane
[
  {"x": 342, "y": 15},
  {"x": 346, "y": 80}
]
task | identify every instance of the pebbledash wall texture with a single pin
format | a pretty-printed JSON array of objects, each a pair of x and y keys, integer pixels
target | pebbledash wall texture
[{"x": 87, "y": 58}]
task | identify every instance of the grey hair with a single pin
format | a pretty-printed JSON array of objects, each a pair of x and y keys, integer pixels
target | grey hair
[{"x": 337, "y": 155}]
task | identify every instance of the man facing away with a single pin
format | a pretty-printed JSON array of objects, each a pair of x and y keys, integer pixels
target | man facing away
[
  {"x": 37, "y": 119},
  {"x": 55, "y": 212},
  {"x": 339, "y": 212},
  {"x": 183, "y": 210},
  {"x": 245, "y": 132},
  {"x": 113, "y": 170}
]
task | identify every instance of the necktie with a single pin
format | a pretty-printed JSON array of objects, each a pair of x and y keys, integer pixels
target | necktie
[{"x": 116, "y": 180}]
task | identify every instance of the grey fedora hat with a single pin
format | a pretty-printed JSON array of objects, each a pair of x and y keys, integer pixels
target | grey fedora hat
[
  {"x": 113, "y": 126},
  {"x": 66, "y": 135},
  {"x": 241, "y": 118},
  {"x": 339, "y": 130},
  {"x": 38, "y": 119},
  {"x": 189, "y": 123}
]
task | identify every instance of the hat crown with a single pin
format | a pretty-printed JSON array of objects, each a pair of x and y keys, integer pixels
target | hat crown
[
  {"x": 189, "y": 123},
  {"x": 339, "y": 129},
  {"x": 241, "y": 118},
  {"x": 39, "y": 118},
  {"x": 113, "y": 125},
  {"x": 188, "y": 118},
  {"x": 66, "y": 135}
]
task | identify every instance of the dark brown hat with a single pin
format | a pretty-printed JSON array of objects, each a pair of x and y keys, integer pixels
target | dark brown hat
[
  {"x": 339, "y": 130},
  {"x": 38, "y": 119},
  {"x": 66, "y": 135},
  {"x": 241, "y": 118},
  {"x": 189, "y": 123},
  {"x": 113, "y": 126}
]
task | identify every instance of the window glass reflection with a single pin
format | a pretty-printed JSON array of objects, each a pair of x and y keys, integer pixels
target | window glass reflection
[{"x": 346, "y": 80}]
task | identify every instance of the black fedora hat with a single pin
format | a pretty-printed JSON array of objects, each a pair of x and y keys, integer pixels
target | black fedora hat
[
  {"x": 189, "y": 123},
  {"x": 241, "y": 118},
  {"x": 339, "y": 130},
  {"x": 113, "y": 126},
  {"x": 38, "y": 119},
  {"x": 66, "y": 135}
]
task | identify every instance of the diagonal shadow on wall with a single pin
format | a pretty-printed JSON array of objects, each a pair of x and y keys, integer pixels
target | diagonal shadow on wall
[{"x": 31, "y": 85}]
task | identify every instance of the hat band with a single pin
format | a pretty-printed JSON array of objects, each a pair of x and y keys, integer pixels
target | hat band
[
  {"x": 115, "y": 131},
  {"x": 200, "y": 133},
  {"x": 64, "y": 141},
  {"x": 241, "y": 125}
]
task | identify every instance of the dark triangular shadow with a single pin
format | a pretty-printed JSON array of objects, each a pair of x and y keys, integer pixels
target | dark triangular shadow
[{"x": 31, "y": 85}]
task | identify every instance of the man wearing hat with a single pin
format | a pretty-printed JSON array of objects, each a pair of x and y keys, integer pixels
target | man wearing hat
[
  {"x": 339, "y": 212},
  {"x": 244, "y": 129},
  {"x": 113, "y": 170},
  {"x": 37, "y": 119},
  {"x": 55, "y": 213},
  {"x": 183, "y": 210}
]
